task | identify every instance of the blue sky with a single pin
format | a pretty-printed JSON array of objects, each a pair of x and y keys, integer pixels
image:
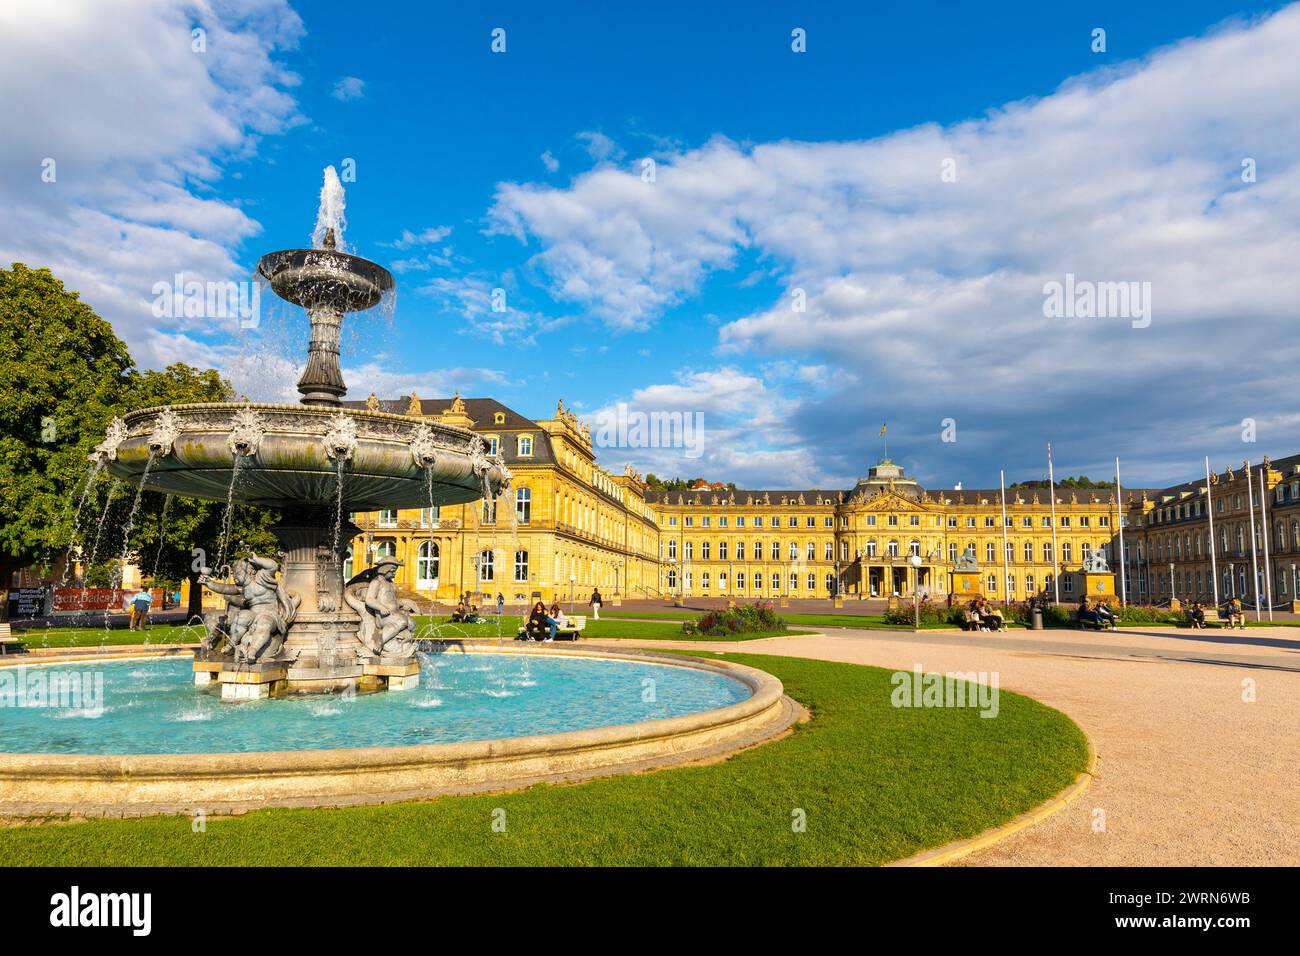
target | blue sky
[{"x": 776, "y": 171}]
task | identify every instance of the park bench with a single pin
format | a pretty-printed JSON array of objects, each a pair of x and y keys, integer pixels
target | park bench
[
  {"x": 10, "y": 644},
  {"x": 1093, "y": 619},
  {"x": 569, "y": 631}
]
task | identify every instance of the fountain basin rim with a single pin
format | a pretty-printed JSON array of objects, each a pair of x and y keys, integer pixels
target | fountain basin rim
[
  {"x": 169, "y": 783},
  {"x": 313, "y": 411}
]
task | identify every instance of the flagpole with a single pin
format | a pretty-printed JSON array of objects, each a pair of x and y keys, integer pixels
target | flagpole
[
  {"x": 1006, "y": 570},
  {"x": 1056, "y": 564},
  {"x": 1254, "y": 560},
  {"x": 1209, "y": 503},
  {"x": 1263, "y": 524},
  {"x": 1123, "y": 556}
]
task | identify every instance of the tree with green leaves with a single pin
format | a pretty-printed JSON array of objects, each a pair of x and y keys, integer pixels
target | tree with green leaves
[{"x": 63, "y": 374}]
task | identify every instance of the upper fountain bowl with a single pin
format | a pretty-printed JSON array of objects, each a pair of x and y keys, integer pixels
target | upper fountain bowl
[{"x": 315, "y": 278}]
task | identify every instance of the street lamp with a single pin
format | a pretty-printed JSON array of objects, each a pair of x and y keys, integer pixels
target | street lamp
[
  {"x": 1172, "y": 596},
  {"x": 572, "y": 579},
  {"x": 915, "y": 561}
]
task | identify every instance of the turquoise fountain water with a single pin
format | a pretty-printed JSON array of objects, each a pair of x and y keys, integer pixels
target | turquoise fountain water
[{"x": 152, "y": 707}]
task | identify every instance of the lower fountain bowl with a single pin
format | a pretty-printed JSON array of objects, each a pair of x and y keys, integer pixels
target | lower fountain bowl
[{"x": 293, "y": 457}]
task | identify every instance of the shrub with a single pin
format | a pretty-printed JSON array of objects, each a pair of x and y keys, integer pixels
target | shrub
[
  {"x": 927, "y": 611},
  {"x": 742, "y": 619}
]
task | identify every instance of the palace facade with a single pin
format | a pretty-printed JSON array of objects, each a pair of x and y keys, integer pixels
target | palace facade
[{"x": 569, "y": 525}]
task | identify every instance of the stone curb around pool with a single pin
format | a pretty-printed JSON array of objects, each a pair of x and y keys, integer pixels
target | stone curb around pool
[
  {"x": 136, "y": 784},
  {"x": 950, "y": 853}
]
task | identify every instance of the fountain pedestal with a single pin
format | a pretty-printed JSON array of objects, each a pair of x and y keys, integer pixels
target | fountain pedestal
[
  {"x": 391, "y": 673},
  {"x": 252, "y": 681}
]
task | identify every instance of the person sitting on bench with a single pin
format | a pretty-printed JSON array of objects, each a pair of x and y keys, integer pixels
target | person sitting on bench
[
  {"x": 540, "y": 623},
  {"x": 1235, "y": 613},
  {"x": 1085, "y": 614},
  {"x": 1197, "y": 615},
  {"x": 1105, "y": 616},
  {"x": 990, "y": 617}
]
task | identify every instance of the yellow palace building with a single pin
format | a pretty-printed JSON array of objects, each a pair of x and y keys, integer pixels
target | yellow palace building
[{"x": 568, "y": 526}]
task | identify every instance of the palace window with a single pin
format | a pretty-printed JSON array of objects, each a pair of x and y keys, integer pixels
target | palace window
[
  {"x": 990, "y": 551},
  {"x": 1065, "y": 521},
  {"x": 952, "y": 521},
  {"x": 672, "y": 578},
  {"x": 722, "y": 521},
  {"x": 1047, "y": 552},
  {"x": 914, "y": 520},
  {"x": 704, "y": 580},
  {"x": 672, "y": 550},
  {"x": 812, "y": 582},
  {"x": 493, "y": 444},
  {"x": 523, "y": 505},
  {"x": 1067, "y": 584},
  {"x": 758, "y": 521},
  {"x": 1047, "y": 521},
  {"x": 525, "y": 446},
  {"x": 1027, "y": 521},
  {"x": 893, "y": 548},
  {"x": 704, "y": 521},
  {"x": 429, "y": 517},
  {"x": 1011, "y": 551},
  {"x": 871, "y": 521},
  {"x": 388, "y": 518},
  {"x": 690, "y": 550},
  {"x": 794, "y": 551},
  {"x": 1066, "y": 553},
  {"x": 690, "y": 521},
  {"x": 722, "y": 551},
  {"x": 776, "y": 550},
  {"x": 1029, "y": 584},
  {"x": 952, "y": 553},
  {"x": 1083, "y": 521},
  {"x": 830, "y": 583},
  {"x": 893, "y": 521},
  {"x": 844, "y": 550},
  {"x": 792, "y": 522},
  {"x": 828, "y": 551},
  {"x": 740, "y": 551},
  {"x": 426, "y": 567},
  {"x": 722, "y": 580},
  {"x": 1011, "y": 584},
  {"x": 794, "y": 582},
  {"x": 740, "y": 580},
  {"x": 1085, "y": 551},
  {"x": 776, "y": 582},
  {"x": 1029, "y": 552},
  {"x": 914, "y": 548},
  {"x": 521, "y": 565},
  {"x": 993, "y": 583},
  {"x": 811, "y": 522},
  {"x": 990, "y": 521},
  {"x": 970, "y": 522},
  {"x": 489, "y": 511},
  {"x": 811, "y": 551},
  {"x": 871, "y": 548},
  {"x": 828, "y": 522},
  {"x": 672, "y": 521},
  {"x": 486, "y": 565}
]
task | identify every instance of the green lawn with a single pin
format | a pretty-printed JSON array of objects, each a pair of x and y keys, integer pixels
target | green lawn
[
  {"x": 98, "y": 636},
  {"x": 876, "y": 783},
  {"x": 638, "y": 630},
  {"x": 868, "y": 621}
]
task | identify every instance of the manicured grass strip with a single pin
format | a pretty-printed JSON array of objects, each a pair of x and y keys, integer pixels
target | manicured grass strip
[
  {"x": 98, "y": 636},
  {"x": 866, "y": 621},
  {"x": 636, "y": 630},
  {"x": 876, "y": 783}
]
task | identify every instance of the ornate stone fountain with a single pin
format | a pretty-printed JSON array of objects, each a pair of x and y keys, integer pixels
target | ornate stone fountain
[{"x": 291, "y": 623}]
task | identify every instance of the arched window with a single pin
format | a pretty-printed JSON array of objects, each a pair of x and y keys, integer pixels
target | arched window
[
  {"x": 914, "y": 548},
  {"x": 892, "y": 548},
  {"x": 871, "y": 548},
  {"x": 427, "y": 565},
  {"x": 521, "y": 565},
  {"x": 523, "y": 505},
  {"x": 385, "y": 549}
]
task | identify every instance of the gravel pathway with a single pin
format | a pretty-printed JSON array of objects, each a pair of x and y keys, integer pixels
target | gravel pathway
[{"x": 1191, "y": 771}]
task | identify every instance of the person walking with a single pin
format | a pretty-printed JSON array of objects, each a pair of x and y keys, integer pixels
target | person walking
[
  {"x": 595, "y": 603},
  {"x": 501, "y": 604},
  {"x": 140, "y": 611}
]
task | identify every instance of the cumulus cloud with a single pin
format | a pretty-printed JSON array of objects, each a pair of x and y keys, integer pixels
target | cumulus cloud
[
  {"x": 134, "y": 159},
  {"x": 349, "y": 88},
  {"x": 929, "y": 287},
  {"x": 550, "y": 162}
]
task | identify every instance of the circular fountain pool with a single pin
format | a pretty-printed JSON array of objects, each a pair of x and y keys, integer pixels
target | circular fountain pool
[
  {"x": 484, "y": 718},
  {"x": 152, "y": 706}
]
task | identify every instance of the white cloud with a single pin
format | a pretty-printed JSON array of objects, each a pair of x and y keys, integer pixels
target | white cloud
[
  {"x": 931, "y": 292},
  {"x": 600, "y": 147},
  {"x": 136, "y": 154},
  {"x": 349, "y": 88},
  {"x": 550, "y": 162},
  {"x": 425, "y": 237}
]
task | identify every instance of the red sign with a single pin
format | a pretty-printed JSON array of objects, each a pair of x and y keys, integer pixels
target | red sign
[{"x": 100, "y": 599}]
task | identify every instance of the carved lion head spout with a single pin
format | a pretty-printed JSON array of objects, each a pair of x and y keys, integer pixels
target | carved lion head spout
[
  {"x": 165, "y": 432},
  {"x": 341, "y": 438},
  {"x": 246, "y": 433},
  {"x": 106, "y": 450}
]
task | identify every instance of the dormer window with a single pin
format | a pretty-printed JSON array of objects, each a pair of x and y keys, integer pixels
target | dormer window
[
  {"x": 493, "y": 444},
  {"x": 525, "y": 446},
  {"x": 499, "y": 418}
]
